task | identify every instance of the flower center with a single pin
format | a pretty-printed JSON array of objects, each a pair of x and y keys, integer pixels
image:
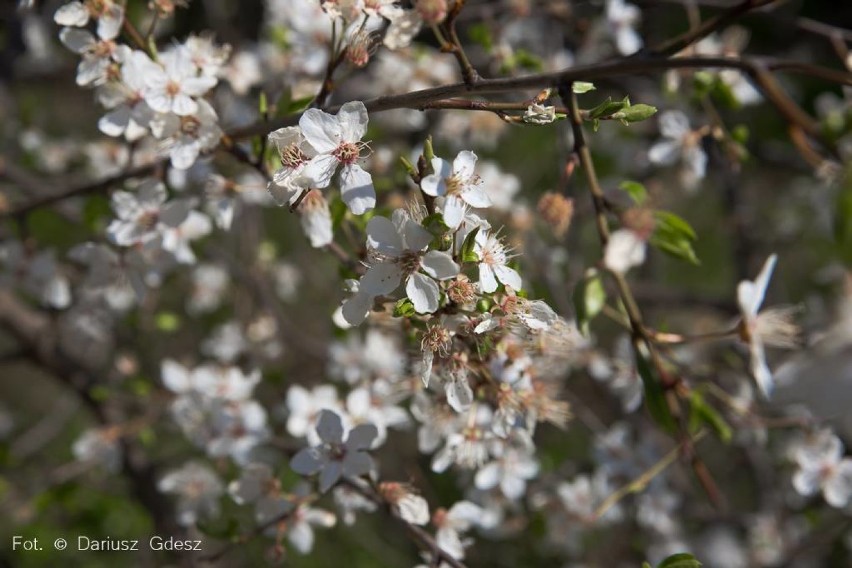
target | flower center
[
  {"x": 409, "y": 262},
  {"x": 292, "y": 156},
  {"x": 189, "y": 125},
  {"x": 173, "y": 88},
  {"x": 347, "y": 152},
  {"x": 149, "y": 219}
]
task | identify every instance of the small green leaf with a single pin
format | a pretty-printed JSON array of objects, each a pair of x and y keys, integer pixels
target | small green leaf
[
  {"x": 168, "y": 322},
  {"x": 702, "y": 413},
  {"x": 608, "y": 108},
  {"x": 263, "y": 104},
  {"x": 655, "y": 396},
  {"x": 580, "y": 87},
  {"x": 467, "y": 253},
  {"x": 674, "y": 236},
  {"x": 480, "y": 34},
  {"x": 403, "y": 308},
  {"x": 635, "y": 190},
  {"x": 635, "y": 113},
  {"x": 682, "y": 560},
  {"x": 589, "y": 299}
]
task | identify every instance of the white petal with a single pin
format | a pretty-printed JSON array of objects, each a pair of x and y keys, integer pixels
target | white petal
[
  {"x": 464, "y": 164},
  {"x": 353, "y": 121},
  {"x": 330, "y": 427},
  {"x": 459, "y": 394},
  {"x": 674, "y": 124},
  {"x": 439, "y": 265},
  {"x": 416, "y": 238},
  {"x": 423, "y": 293},
  {"x": 321, "y": 130},
  {"x": 307, "y": 461},
  {"x": 381, "y": 279},
  {"x": 78, "y": 41},
  {"x": 488, "y": 477},
  {"x": 508, "y": 276},
  {"x": 183, "y": 105},
  {"x": 72, "y": 14},
  {"x": 487, "y": 281},
  {"x": 356, "y": 189},
  {"x": 453, "y": 211},
  {"x": 433, "y": 185},
  {"x": 109, "y": 24},
  {"x": 355, "y": 309},
  {"x": 115, "y": 122},
  {"x": 330, "y": 475},
  {"x": 759, "y": 368},
  {"x": 361, "y": 437},
  {"x": 475, "y": 196},
  {"x": 665, "y": 152},
  {"x": 320, "y": 170},
  {"x": 806, "y": 481},
  {"x": 838, "y": 488},
  {"x": 750, "y": 295},
  {"x": 383, "y": 236}
]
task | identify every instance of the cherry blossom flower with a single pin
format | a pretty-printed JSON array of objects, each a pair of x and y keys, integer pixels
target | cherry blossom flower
[
  {"x": 680, "y": 143},
  {"x": 510, "y": 472},
  {"x": 458, "y": 185},
  {"x": 304, "y": 407},
  {"x": 98, "y": 56},
  {"x": 129, "y": 115},
  {"x": 822, "y": 467},
  {"x": 316, "y": 219},
  {"x": 625, "y": 250},
  {"x": 493, "y": 259},
  {"x": 398, "y": 249},
  {"x": 405, "y": 502},
  {"x": 623, "y": 19},
  {"x": 337, "y": 142},
  {"x": 452, "y": 525},
  {"x": 198, "y": 489},
  {"x": 175, "y": 85},
  {"x": 336, "y": 458},
  {"x": 184, "y": 138},
  {"x": 774, "y": 327},
  {"x": 109, "y": 14},
  {"x": 144, "y": 214},
  {"x": 289, "y": 181}
]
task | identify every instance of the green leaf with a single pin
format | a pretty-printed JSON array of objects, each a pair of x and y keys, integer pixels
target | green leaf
[
  {"x": 635, "y": 113},
  {"x": 635, "y": 190},
  {"x": 608, "y": 108},
  {"x": 263, "y": 104},
  {"x": 674, "y": 236},
  {"x": 646, "y": 565},
  {"x": 168, "y": 322},
  {"x": 682, "y": 560},
  {"x": 403, "y": 309},
  {"x": 723, "y": 93},
  {"x": 589, "y": 300},
  {"x": 580, "y": 87},
  {"x": 655, "y": 396},
  {"x": 467, "y": 253},
  {"x": 481, "y": 34},
  {"x": 702, "y": 413}
]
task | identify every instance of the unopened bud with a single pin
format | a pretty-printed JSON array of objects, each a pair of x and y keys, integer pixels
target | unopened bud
[
  {"x": 408, "y": 506},
  {"x": 432, "y": 11}
]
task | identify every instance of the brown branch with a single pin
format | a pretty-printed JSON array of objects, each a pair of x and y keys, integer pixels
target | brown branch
[
  {"x": 677, "y": 44},
  {"x": 35, "y": 332},
  {"x": 425, "y": 97},
  {"x": 423, "y": 538}
]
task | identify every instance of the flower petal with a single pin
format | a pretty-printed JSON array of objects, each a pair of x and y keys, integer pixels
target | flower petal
[
  {"x": 353, "y": 121},
  {"x": 381, "y": 279},
  {"x": 439, "y": 265},
  {"x": 321, "y": 130},
  {"x": 423, "y": 293},
  {"x": 320, "y": 170},
  {"x": 330, "y": 427},
  {"x": 356, "y": 189}
]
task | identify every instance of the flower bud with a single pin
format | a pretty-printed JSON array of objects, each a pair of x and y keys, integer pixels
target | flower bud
[
  {"x": 432, "y": 11},
  {"x": 409, "y": 506}
]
